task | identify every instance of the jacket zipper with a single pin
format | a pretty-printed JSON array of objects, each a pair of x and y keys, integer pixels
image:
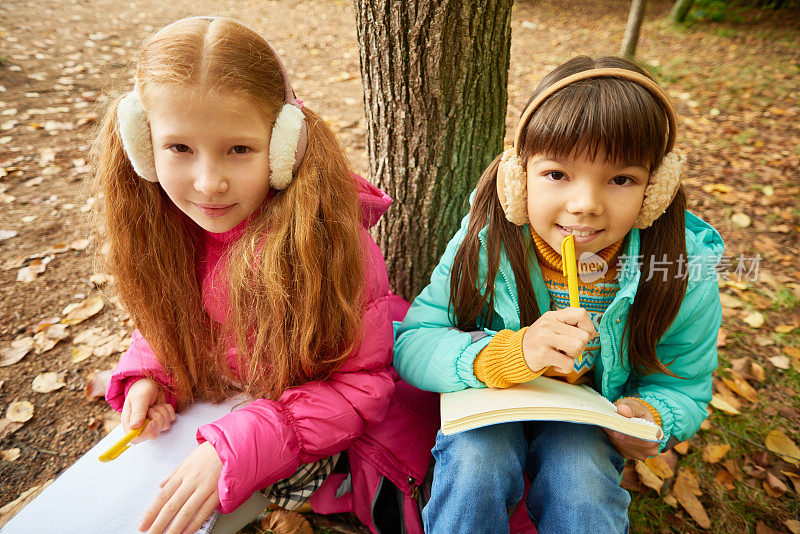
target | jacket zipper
[{"x": 511, "y": 289}]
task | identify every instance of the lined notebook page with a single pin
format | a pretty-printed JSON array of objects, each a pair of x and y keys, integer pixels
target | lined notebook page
[{"x": 92, "y": 496}]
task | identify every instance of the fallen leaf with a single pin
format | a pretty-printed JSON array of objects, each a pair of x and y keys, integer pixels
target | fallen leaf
[
  {"x": 784, "y": 328},
  {"x": 48, "y": 337},
  {"x": 630, "y": 480},
  {"x": 793, "y": 526},
  {"x": 19, "y": 412},
  {"x": 741, "y": 387},
  {"x": 16, "y": 351},
  {"x": 788, "y": 412},
  {"x": 80, "y": 244},
  {"x": 80, "y": 311},
  {"x": 648, "y": 477},
  {"x": 686, "y": 490},
  {"x": 93, "y": 337},
  {"x": 783, "y": 446},
  {"x": 757, "y": 372},
  {"x": 792, "y": 352},
  {"x": 773, "y": 485},
  {"x": 795, "y": 478},
  {"x": 682, "y": 448},
  {"x": 721, "y": 188},
  {"x": 8, "y": 234},
  {"x": 722, "y": 338},
  {"x": 48, "y": 382},
  {"x": 761, "y": 528},
  {"x": 725, "y": 480},
  {"x": 755, "y": 319},
  {"x": 663, "y": 465},
  {"x": 724, "y": 404},
  {"x": 729, "y": 301},
  {"x": 733, "y": 468},
  {"x": 110, "y": 346},
  {"x": 9, "y": 455},
  {"x": 33, "y": 269},
  {"x": 281, "y": 520},
  {"x": 741, "y": 219},
  {"x": 81, "y": 352},
  {"x": 670, "y": 500},
  {"x": 714, "y": 453},
  {"x": 96, "y": 384},
  {"x": 781, "y": 362},
  {"x": 764, "y": 341},
  {"x": 8, "y": 427}
]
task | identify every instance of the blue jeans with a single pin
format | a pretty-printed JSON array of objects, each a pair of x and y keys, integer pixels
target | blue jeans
[{"x": 573, "y": 468}]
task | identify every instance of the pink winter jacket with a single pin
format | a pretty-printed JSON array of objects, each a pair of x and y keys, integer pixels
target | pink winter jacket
[{"x": 267, "y": 440}]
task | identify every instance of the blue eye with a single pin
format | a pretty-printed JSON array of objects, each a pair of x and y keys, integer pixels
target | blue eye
[{"x": 241, "y": 149}]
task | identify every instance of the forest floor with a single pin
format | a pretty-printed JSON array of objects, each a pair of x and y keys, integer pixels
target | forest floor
[{"x": 735, "y": 79}]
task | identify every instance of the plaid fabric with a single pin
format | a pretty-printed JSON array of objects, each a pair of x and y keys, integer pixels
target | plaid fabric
[{"x": 290, "y": 493}]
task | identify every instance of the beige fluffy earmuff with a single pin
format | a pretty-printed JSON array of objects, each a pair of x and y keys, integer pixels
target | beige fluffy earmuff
[
  {"x": 287, "y": 144},
  {"x": 663, "y": 184}
]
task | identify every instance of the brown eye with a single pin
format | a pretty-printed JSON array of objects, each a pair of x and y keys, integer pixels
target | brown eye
[
  {"x": 556, "y": 175},
  {"x": 181, "y": 149},
  {"x": 240, "y": 149},
  {"x": 620, "y": 180}
]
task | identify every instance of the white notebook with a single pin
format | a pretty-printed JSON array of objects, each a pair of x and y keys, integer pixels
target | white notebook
[
  {"x": 94, "y": 497},
  {"x": 541, "y": 399}
]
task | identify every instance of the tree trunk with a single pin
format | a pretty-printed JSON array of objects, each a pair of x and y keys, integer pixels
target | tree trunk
[
  {"x": 680, "y": 10},
  {"x": 632, "y": 30},
  {"x": 435, "y": 76}
]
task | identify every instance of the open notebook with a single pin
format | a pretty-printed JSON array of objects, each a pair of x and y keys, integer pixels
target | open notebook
[
  {"x": 541, "y": 399},
  {"x": 92, "y": 496}
]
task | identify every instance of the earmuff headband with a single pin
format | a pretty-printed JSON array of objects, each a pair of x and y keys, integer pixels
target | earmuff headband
[
  {"x": 624, "y": 74},
  {"x": 663, "y": 184}
]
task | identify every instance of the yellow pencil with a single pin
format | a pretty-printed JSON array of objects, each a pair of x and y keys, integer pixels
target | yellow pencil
[
  {"x": 569, "y": 267},
  {"x": 122, "y": 445}
]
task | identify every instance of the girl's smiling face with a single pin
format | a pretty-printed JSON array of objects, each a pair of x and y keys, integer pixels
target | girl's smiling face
[
  {"x": 595, "y": 200},
  {"x": 211, "y": 153}
]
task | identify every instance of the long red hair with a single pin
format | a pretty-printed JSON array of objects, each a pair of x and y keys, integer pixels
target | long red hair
[{"x": 295, "y": 275}]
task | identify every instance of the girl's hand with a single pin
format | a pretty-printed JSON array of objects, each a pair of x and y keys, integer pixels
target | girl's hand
[
  {"x": 557, "y": 338},
  {"x": 146, "y": 399},
  {"x": 188, "y": 496},
  {"x": 629, "y": 446}
]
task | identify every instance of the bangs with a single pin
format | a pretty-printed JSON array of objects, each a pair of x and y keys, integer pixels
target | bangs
[{"x": 618, "y": 117}]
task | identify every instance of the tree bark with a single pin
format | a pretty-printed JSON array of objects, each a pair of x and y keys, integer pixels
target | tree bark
[
  {"x": 632, "y": 30},
  {"x": 435, "y": 75},
  {"x": 680, "y": 10}
]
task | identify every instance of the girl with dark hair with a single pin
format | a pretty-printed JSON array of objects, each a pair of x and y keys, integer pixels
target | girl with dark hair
[{"x": 594, "y": 158}]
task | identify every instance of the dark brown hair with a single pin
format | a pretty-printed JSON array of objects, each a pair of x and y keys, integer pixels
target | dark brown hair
[{"x": 622, "y": 119}]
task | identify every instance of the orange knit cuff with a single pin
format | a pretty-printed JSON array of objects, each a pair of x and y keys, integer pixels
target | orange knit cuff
[
  {"x": 647, "y": 405},
  {"x": 501, "y": 363}
]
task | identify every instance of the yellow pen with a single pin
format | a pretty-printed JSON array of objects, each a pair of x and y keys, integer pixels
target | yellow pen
[
  {"x": 569, "y": 267},
  {"x": 122, "y": 445}
]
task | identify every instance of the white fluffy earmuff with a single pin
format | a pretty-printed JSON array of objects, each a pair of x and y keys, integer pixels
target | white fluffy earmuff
[
  {"x": 283, "y": 145},
  {"x": 286, "y": 145},
  {"x": 663, "y": 184},
  {"x": 135, "y": 134}
]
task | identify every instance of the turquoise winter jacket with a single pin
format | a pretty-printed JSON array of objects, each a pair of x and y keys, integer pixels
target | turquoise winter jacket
[{"x": 431, "y": 354}]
